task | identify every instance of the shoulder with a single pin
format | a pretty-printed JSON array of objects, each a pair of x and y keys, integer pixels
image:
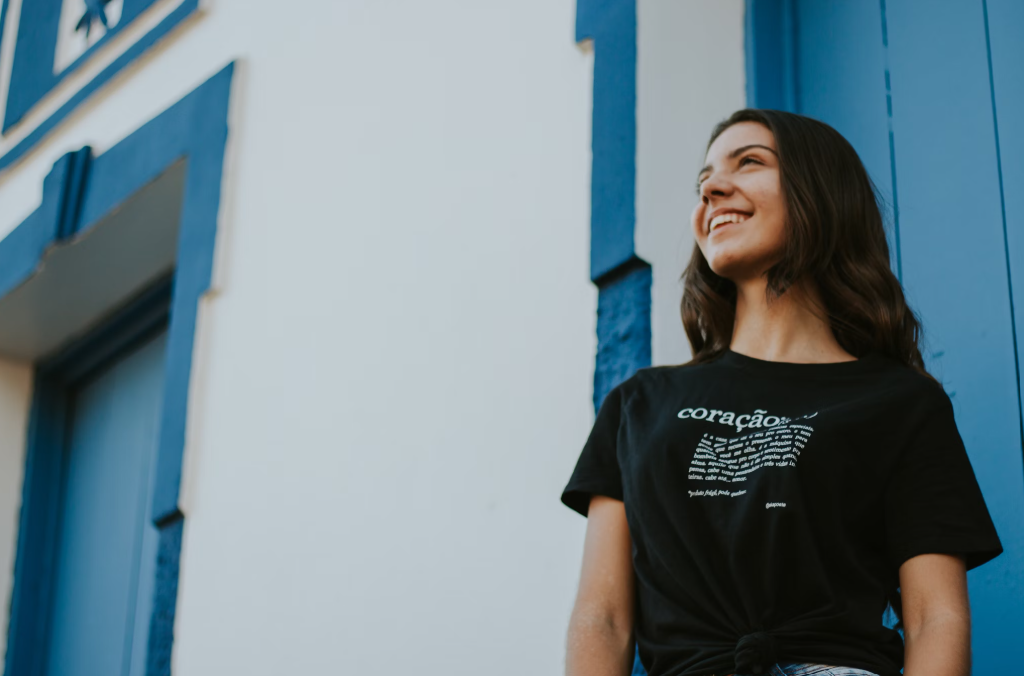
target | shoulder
[
  {"x": 917, "y": 394},
  {"x": 908, "y": 378},
  {"x": 654, "y": 383}
]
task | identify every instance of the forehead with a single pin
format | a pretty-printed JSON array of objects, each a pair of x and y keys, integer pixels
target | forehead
[{"x": 739, "y": 135}]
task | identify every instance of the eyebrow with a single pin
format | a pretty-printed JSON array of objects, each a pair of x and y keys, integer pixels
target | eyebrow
[{"x": 736, "y": 153}]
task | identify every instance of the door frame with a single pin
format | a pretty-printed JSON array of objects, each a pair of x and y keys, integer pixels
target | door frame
[
  {"x": 80, "y": 192},
  {"x": 56, "y": 380}
]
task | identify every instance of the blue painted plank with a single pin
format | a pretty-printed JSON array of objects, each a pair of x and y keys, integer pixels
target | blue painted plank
[
  {"x": 1006, "y": 39},
  {"x": 769, "y": 43},
  {"x": 955, "y": 275},
  {"x": 106, "y": 534},
  {"x": 842, "y": 72}
]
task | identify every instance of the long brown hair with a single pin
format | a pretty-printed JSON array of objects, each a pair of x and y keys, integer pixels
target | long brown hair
[{"x": 835, "y": 238}]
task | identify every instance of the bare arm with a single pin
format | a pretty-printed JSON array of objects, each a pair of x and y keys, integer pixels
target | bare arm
[
  {"x": 600, "y": 638},
  {"x": 936, "y": 616}
]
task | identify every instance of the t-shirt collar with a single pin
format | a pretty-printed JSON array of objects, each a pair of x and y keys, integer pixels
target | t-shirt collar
[{"x": 790, "y": 369}]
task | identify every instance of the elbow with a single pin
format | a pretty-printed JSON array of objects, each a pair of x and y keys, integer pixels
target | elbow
[{"x": 615, "y": 625}]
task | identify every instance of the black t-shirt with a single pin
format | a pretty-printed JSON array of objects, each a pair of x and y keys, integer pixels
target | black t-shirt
[{"x": 771, "y": 505}]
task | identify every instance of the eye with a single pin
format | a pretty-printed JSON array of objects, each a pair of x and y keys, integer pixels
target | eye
[{"x": 752, "y": 159}]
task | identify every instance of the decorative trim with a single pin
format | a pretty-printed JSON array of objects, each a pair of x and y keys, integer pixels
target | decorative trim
[
  {"x": 23, "y": 248},
  {"x": 28, "y": 97},
  {"x": 623, "y": 333},
  {"x": 32, "y": 75},
  {"x": 623, "y": 327},
  {"x": 77, "y": 194},
  {"x": 3, "y": 20},
  {"x": 611, "y": 24},
  {"x": 623, "y": 279}
]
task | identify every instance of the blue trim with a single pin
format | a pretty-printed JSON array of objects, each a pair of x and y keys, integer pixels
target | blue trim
[
  {"x": 169, "y": 22},
  {"x": 23, "y": 248},
  {"x": 44, "y": 467},
  {"x": 770, "y": 42},
  {"x": 611, "y": 24},
  {"x": 77, "y": 194},
  {"x": 32, "y": 75},
  {"x": 623, "y": 279},
  {"x": 623, "y": 328},
  {"x": 3, "y": 20}
]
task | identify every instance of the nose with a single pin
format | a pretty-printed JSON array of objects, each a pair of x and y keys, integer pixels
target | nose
[{"x": 715, "y": 185}]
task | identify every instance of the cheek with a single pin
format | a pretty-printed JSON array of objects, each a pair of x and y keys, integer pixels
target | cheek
[
  {"x": 697, "y": 217},
  {"x": 770, "y": 208}
]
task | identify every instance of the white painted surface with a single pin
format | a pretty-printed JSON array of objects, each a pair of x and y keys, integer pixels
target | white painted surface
[
  {"x": 690, "y": 75},
  {"x": 392, "y": 376},
  {"x": 15, "y": 398}
]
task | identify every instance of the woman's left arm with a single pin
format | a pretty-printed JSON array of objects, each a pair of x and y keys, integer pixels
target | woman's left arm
[{"x": 936, "y": 616}]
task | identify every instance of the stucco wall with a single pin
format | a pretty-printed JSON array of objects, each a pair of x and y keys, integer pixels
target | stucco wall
[
  {"x": 392, "y": 376},
  {"x": 690, "y": 75}
]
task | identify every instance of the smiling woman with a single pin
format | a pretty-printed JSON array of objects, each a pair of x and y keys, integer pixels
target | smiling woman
[
  {"x": 812, "y": 212},
  {"x": 764, "y": 507}
]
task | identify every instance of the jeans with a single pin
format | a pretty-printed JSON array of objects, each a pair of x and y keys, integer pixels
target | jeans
[{"x": 794, "y": 669}]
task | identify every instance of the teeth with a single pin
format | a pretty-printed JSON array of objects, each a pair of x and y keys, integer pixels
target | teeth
[{"x": 726, "y": 218}]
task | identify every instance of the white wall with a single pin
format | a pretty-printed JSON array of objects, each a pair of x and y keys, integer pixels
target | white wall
[
  {"x": 393, "y": 373},
  {"x": 690, "y": 75},
  {"x": 15, "y": 394}
]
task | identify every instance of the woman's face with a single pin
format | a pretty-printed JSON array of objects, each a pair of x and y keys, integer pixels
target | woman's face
[{"x": 739, "y": 220}]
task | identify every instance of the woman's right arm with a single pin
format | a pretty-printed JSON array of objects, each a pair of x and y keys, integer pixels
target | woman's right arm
[{"x": 600, "y": 639}]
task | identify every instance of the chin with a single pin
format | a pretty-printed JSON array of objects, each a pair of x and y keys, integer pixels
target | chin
[{"x": 733, "y": 267}]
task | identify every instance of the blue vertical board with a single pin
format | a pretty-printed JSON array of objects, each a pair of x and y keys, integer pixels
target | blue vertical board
[
  {"x": 1006, "y": 52},
  {"x": 769, "y": 32},
  {"x": 841, "y": 74},
  {"x": 954, "y": 271},
  {"x": 106, "y": 549}
]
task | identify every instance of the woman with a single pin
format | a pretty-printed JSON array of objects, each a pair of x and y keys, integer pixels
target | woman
[{"x": 758, "y": 509}]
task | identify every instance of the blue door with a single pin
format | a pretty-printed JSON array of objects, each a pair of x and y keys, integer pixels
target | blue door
[
  {"x": 105, "y": 552},
  {"x": 928, "y": 93}
]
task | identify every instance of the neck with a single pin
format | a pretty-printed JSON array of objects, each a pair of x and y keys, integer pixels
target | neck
[{"x": 793, "y": 328}]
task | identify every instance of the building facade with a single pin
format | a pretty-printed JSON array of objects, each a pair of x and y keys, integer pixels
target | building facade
[{"x": 304, "y": 310}]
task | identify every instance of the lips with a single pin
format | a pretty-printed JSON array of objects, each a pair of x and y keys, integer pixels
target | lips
[{"x": 722, "y": 217}]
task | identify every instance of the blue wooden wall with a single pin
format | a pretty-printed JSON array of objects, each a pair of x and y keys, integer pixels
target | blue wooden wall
[{"x": 929, "y": 91}]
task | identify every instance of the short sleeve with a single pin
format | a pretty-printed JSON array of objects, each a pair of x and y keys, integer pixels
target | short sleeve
[
  {"x": 933, "y": 503},
  {"x": 597, "y": 470}
]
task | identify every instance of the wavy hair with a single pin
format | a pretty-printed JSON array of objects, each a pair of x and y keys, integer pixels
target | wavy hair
[{"x": 835, "y": 238}]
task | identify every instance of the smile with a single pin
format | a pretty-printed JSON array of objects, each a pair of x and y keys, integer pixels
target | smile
[{"x": 726, "y": 218}]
